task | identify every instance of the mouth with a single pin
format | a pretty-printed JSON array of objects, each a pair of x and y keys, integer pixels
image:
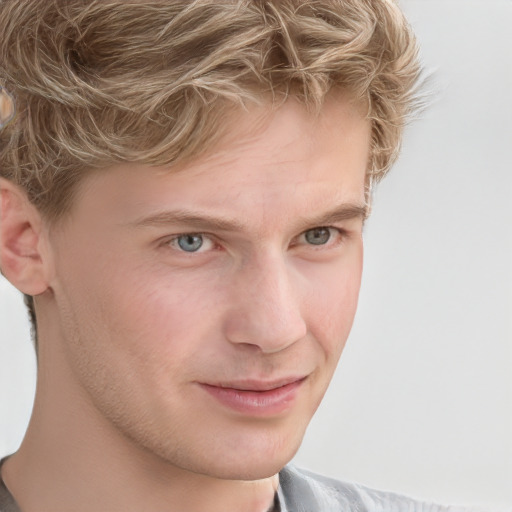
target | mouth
[{"x": 257, "y": 398}]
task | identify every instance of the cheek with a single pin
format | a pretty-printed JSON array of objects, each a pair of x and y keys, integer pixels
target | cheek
[
  {"x": 159, "y": 312},
  {"x": 136, "y": 338},
  {"x": 332, "y": 303}
]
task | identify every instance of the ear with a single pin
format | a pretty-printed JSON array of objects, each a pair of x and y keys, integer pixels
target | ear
[{"x": 21, "y": 260}]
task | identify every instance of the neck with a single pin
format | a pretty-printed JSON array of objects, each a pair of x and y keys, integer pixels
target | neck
[{"x": 71, "y": 459}]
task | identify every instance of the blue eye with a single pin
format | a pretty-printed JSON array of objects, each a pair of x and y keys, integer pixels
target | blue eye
[
  {"x": 190, "y": 243},
  {"x": 318, "y": 236}
]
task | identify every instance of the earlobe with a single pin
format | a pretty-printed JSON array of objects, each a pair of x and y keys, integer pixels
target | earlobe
[{"x": 21, "y": 260}]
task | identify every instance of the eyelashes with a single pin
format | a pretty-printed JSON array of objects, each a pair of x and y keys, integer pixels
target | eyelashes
[
  {"x": 317, "y": 237},
  {"x": 192, "y": 242},
  {"x": 321, "y": 236}
]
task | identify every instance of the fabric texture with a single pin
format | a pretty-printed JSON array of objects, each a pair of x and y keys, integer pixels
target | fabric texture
[
  {"x": 303, "y": 491},
  {"x": 7, "y": 503}
]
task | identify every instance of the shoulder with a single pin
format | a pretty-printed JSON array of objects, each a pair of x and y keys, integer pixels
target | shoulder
[
  {"x": 304, "y": 491},
  {"x": 7, "y": 503}
]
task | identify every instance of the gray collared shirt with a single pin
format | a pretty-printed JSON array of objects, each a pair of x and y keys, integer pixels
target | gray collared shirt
[{"x": 303, "y": 491}]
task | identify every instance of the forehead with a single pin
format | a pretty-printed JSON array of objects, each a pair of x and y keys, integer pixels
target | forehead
[
  {"x": 287, "y": 134},
  {"x": 271, "y": 163}
]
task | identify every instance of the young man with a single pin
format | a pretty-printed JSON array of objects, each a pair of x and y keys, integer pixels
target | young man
[{"x": 183, "y": 190}]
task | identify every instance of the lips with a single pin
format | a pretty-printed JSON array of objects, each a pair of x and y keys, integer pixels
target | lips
[
  {"x": 256, "y": 398},
  {"x": 256, "y": 385}
]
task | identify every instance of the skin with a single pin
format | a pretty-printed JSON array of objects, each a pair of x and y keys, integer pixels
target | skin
[
  {"x": 6, "y": 107},
  {"x": 135, "y": 332}
]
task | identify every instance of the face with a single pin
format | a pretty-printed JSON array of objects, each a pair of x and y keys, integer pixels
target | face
[{"x": 202, "y": 310}]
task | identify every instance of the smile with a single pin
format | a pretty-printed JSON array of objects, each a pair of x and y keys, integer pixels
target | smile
[{"x": 256, "y": 398}]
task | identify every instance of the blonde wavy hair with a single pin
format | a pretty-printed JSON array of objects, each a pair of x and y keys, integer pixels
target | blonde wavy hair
[{"x": 98, "y": 82}]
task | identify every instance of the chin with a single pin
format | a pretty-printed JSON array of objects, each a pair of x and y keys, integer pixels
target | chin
[
  {"x": 248, "y": 470},
  {"x": 248, "y": 466},
  {"x": 242, "y": 450}
]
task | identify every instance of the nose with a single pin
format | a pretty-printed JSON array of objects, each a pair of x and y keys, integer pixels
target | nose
[{"x": 265, "y": 309}]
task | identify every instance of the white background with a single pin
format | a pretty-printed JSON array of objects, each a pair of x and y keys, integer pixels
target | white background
[{"x": 422, "y": 402}]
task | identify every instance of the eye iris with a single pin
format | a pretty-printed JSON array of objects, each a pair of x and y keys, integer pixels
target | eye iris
[
  {"x": 318, "y": 236},
  {"x": 190, "y": 243}
]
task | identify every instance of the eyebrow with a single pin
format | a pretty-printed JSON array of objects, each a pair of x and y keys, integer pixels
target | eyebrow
[{"x": 204, "y": 221}]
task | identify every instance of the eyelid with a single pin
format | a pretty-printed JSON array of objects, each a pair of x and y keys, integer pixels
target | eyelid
[
  {"x": 341, "y": 234},
  {"x": 339, "y": 237},
  {"x": 172, "y": 241}
]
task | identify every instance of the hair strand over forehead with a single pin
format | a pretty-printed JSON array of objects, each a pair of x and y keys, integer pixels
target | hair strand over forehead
[{"x": 100, "y": 82}]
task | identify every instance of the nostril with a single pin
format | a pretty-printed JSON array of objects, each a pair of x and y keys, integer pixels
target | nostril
[
  {"x": 266, "y": 309},
  {"x": 269, "y": 331}
]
